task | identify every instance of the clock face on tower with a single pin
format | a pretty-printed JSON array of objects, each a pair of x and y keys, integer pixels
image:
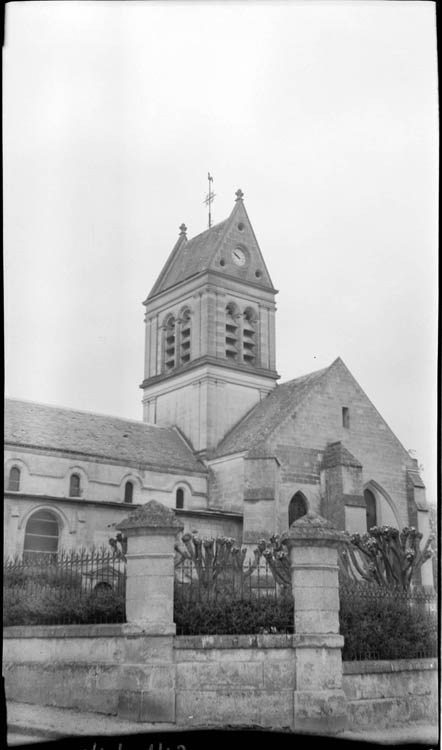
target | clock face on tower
[{"x": 238, "y": 256}]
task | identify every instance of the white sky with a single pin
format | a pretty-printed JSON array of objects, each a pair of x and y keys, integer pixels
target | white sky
[{"x": 325, "y": 114}]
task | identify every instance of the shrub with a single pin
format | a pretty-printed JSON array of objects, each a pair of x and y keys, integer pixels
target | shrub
[
  {"x": 382, "y": 624},
  {"x": 31, "y": 578},
  {"x": 48, "y": 607},
  {"x": 225, "y": 615}
]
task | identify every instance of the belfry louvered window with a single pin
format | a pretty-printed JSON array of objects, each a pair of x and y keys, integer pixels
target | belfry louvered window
[
  {"x": 169, "y": 343},
  {"x": 249, "y": 337},
  {"x": 185, "y": 337},
  {"x": 232, "y": 332}
]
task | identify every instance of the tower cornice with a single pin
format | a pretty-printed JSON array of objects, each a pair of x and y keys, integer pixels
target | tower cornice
[{"x": 213, "y": 362}]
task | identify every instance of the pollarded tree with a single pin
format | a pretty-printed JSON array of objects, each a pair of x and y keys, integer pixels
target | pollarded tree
[
  {"x": 385, "y": 556},
  {"x": 217, "y": 564},
  {"x": 277, "y": 558}
]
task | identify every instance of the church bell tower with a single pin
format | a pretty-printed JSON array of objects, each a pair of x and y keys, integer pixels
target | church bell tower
[{"x": 210, "y": 332}]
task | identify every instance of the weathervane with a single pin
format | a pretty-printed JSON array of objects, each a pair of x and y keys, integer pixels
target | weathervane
[{"x": 209, "y": 198}]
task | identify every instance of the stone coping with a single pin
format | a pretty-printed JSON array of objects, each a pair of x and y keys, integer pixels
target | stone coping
[
  {"x": 395, "y": 665},
  {"x": 103, "y": 630},
  {"x": 181, "y": 642},
  {"x": 207, "y": 642}
]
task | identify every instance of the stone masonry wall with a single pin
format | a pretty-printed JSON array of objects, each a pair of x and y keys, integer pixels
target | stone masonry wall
[
  {"x": 384, "y": 693},
  {"x": 226, "y": 484},
  {"x": 236, "y": 680},
  {"x": 198, "y": 680},
  {"x": 318, "y": 421}
]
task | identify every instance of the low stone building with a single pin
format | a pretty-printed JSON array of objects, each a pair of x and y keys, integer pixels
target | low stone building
[{"x": 234, "y": 452}]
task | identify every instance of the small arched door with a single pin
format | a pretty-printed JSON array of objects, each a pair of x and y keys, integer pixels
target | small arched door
[{"x": 297, "y": 507}]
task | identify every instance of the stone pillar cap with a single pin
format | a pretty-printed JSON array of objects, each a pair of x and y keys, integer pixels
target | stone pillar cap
[
  {"x": 152, "y": 515},
  {"x": 312, "y": 527}
]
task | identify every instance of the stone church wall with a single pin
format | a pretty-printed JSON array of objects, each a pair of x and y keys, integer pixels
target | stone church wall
[
  {"x": 319, "y": 421},
  {"x": 226, "y": 484},
  {"x": 84, "y": 521}
]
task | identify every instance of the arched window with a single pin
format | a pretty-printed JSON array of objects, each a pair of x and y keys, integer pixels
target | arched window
[
  {"x": 185, "y": 332},
  {"x": 14, "y": 479},
  {"x": 297, "y": 507},
  {"x": 231, "y": 346},
  {"x": 128, "y": 492},
  {"x": 249, "y": 337},
  {"x": 74, "y": 486},
  {"x": 370, "y": 504},
  {"x": 179, "y": 500},
  {"x": 41, "y": 535}
]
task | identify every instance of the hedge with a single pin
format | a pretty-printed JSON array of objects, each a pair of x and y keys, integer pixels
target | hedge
[
  {"x": 48, "y": 607},
  {"x": 378, "y": 624},
  {"x": 226, "y": 616}
]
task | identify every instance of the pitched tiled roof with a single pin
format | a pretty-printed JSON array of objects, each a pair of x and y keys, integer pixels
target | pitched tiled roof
[
  {"x": 259, "y": 423},
  {"x": 50, "y": 427},
  {"x": 189, "y": 258},
  {"x": 211, "y": 250}
]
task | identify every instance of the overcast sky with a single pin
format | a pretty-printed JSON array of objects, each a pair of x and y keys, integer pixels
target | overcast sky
[{"x": 325, "y": 114}]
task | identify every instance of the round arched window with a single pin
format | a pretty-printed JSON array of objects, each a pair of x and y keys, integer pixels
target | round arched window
[
  {"x": 75, "y": 486},
  {"x": 179, "y": 499},
  {"x": 14, "y": 479},
  {"x": 128, "y": 492},
  {"x": 42, "y": 534}
]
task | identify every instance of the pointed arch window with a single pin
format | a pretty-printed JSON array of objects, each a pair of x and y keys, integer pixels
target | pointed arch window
[
  {"x": 169, "y": 343},
  {"x": 297, "y": 508},
  {"x": 179, "y": 498},
  {"x": 370, "y": 505},
  {"x": 185, "y": 337},
  {"x": 128, "y": 492},
  {"x": 232, "y": 332},
  {"x": 41, "y": 534},
  {"x": 249, "y": 337},
  {"x": 75, "y": 485},
  {"x": 14, "y": 479}
]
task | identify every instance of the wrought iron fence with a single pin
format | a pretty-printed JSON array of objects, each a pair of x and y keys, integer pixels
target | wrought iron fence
[
  {"x": 78, "y": 587},
  {"x": 381, "y": 623},
  {"x": 233, "y": 599}
]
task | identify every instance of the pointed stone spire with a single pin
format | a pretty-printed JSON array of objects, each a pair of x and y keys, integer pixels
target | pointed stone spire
[{"x": 239, "y": 195}]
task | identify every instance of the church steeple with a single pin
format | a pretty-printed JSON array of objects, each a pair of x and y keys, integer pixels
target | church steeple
[{"x": 210, "y": 327}]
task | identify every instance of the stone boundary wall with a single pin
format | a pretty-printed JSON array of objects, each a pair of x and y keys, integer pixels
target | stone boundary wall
[
  {"x": 199, "y": 680},
  {"x": 242, "y": 680},
  {"x": 385, "y": 693}
]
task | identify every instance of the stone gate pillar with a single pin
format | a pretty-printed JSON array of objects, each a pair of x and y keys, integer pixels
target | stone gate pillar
[
  {"x": 319, "y": 700},
  {"x": 151, "y": 532}
]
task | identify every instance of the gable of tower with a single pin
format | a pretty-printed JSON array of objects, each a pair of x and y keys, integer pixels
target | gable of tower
[
  {"x": 248, "y": 264},
  {"x": 229, "y": 248}
]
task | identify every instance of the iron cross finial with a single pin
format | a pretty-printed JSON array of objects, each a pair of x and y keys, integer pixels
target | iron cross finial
[
  {"x": 183, "y": 229},
  {"x": 209, "y": 198},
  {"x": 239, "y": 195}
]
